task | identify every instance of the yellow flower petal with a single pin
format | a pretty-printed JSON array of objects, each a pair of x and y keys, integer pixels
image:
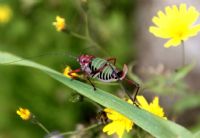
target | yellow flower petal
[
  {"x": 183, "y": 8},
  {"x": 193, "y": 31},
  {"x": 59, "y": 23},
  {"x": 153, "y": 107},
  {"x": 119, "y": 123},
  {"x": 120, "y": 130},
  {"x": 110, "y": 128},
  {"x": 5, "y": 14},
  {"x": 161, "y": 14},
  {"x": 172, "y": 42},
  {"x": 159, "y": 33},
  {"x": 142, "y": 102},
  {"x": 176, "y": 24},
  {"x": 67, "y": 70},
  {"x": 113, "y": 116},
  {"x": 156, "y": 109},
  {"x": 25, "y": 114},
  {"x": 128, "y": 125},
  {"x": 168, "y": 10}
]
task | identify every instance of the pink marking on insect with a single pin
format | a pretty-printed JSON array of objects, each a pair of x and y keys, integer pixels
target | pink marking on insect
[
  {"x": 84, "y": 61},
  {"x": 124, "y": 72}
]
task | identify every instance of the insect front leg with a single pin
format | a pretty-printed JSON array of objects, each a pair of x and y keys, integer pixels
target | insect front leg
[
  {"x": 88, "y": 78},
  {"x": 74, "y": 71},
  {"x": 79, "y": 70}
]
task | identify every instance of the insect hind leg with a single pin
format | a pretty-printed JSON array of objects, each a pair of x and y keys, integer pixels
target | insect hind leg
[
  {"x": 117, "y": 74},
  {"x": 112, "y": 59},
  {"x": 91, "y": 83},
  {"x": 137, "y": 87}
]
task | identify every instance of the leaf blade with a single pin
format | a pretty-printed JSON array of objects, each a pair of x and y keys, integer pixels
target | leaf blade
[{"x": 154, "y": 125}]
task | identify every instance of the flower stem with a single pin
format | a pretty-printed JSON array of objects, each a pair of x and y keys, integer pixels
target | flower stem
[
  {"x": 183, "y": 53},
  {"x": 87, "y": 26},
  {"x": 87, "y": 36},
  {"x": 78, "y": 131},
  {"x": 43, "y": 127},
  {"x": 89, "y": 40},
  {"x": 79, "y": 36}
]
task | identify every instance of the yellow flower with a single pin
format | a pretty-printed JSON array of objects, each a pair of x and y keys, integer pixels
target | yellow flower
[
  {"x": 67, "y": 70},
  {"x": 5, "y": 14},
  {"x": 60, "y": 23},
  {"x": 24, "y": 113},
  {"x": 176, "y": 24},
  {"x": 153, "y": 107},
  {"x": 119, "y": 123}
]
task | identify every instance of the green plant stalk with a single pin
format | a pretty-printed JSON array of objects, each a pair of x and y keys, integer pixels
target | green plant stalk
[
  {"x": 86, "y": 25},
  {"x": 79, "y": 36},
  {"x": 79, "y": 131},
  {"x": 43, "y": 127},
  {"x": 88, "y": 37},
  {"x": 89, "y": 40},
  {"x": 183, "y": 53}
]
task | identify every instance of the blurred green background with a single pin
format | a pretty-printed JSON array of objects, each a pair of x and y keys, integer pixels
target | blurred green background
[{"x": 29, "y": 33}]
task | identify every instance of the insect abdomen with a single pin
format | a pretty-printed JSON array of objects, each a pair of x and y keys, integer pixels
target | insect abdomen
[{"x": 106, "y": 74}]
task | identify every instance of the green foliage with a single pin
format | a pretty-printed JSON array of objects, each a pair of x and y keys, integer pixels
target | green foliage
[
  {"x": 30, "y": 33},
  {"x": 165, "y": 84},
  {"x": 188, "y": 102}
]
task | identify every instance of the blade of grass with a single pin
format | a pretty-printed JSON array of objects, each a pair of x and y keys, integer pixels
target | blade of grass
[
  {"x": 154, "y": 125},
  {"x": 197, "y": 134}
]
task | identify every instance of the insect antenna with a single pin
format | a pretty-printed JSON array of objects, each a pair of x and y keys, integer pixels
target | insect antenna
[
  {"x": 83, "y": 51},
  {"x": 46, "y": 54},
  {"x": 98, "y": 51}
]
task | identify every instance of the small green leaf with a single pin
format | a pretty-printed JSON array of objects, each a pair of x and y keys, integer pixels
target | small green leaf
[
  {"x": 132, "y": 75},
  {"x": 154, "y": 125},
  {"x": 182, "y": 72},
  {"x": 190, "y": 101}
]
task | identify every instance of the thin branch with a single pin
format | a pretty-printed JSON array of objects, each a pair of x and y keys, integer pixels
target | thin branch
[
  {"x": 43, "y": 127},
  {"x": 78, "y": 131},
  {"x": 183, "y": 53}
]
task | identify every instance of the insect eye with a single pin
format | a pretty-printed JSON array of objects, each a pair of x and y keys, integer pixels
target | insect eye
[{"x": 83, "y": 60}]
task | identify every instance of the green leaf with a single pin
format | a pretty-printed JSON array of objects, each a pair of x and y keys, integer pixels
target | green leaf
[
  {"x": 182, "y": 72},
  {"x": 132, "y": 75},
  {"x": 197, "y": 134},
  {"x": 190, "y": 101},
  {"x": 154, "y": 125}
]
